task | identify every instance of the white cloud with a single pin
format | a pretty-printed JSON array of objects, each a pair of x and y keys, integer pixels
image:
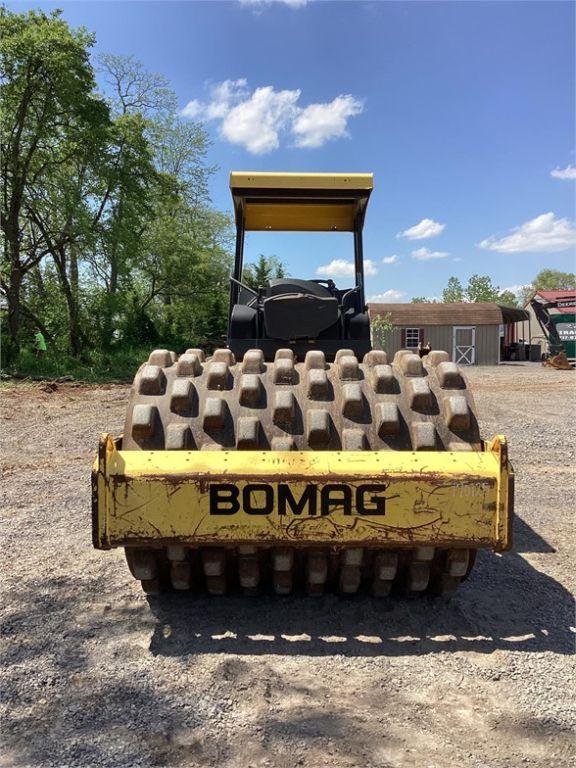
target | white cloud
[
  {"x": 192, "y": 110},
  {"x": 256, "y": 122},
  {"x": 318, "y": 123},
  {"x": 370, "y": 268},
  {"x": 222, "y": 98},
  {"x": 516, "y": 289},
  {"x": 544, "y": 234},
  {"x": 390, "y": 259},
  {"x": 343, "y": 268},
  {"x": 564, "y": 173},
  {"x": 336, "y": 268},
  {"x": 456, "y": 258},
  {"x": 257, "y": 119},
  {"x": 224, "y": 95},
  {"x": 425, "y": 228},
  {"x": 390, "y": 296},
  {"x": 425, "y": 254}
]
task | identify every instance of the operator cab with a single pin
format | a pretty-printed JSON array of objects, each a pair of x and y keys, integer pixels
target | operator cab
[{"x": 290, "y": 312}]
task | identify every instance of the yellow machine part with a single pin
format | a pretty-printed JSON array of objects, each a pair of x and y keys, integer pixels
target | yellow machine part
[
  {"x": 332, "y": 498},
  {"x": 300, "y": 202},
  {"x": 300, "y": 218},
  {"x": 301, "y": 181}
]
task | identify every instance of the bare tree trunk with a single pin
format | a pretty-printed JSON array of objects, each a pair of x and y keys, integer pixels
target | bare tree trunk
[
  {"x": 74, "y": 272},
  {"x": 13, "y": 290},
  {"x": 77, "y": 338},
  {"x": 38, "y": 282}
]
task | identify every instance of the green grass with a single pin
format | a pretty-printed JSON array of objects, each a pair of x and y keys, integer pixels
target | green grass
[{"x": 97, "y": 367}]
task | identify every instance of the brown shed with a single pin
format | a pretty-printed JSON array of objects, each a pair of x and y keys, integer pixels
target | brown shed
[{"x": 471, "y": 333}]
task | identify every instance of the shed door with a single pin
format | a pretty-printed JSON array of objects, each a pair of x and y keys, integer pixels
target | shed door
[{"x": 464, "y": 346}]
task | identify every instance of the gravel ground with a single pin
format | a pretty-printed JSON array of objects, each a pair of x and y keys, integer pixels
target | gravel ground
[{"x": 94, "y": 674}]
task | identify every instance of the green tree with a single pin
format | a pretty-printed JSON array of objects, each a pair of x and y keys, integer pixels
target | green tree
[
  {"x": 129, "y": 187},
  {"x": 49, "y": 110},
  {"x": 183, "y": 267},
  {"x": 109, "y": 234},
  {"x": 381, "y": 327},
  {"x": 507, "y": 298},
  {"x": 481, "y": 288},
  {"x": 134, "y": 90},
  {"x": 176, "y": 255},
  {"x": 78, "y": 215},
  {"x": 549, "y": 280},
  {"x": 137, "y": 99},
  {"x": 180, "y": 150},
  {"x": 454, "y": 292},
  {"x": 258, "y": 274},
  {"x": 554, "y": 280}
]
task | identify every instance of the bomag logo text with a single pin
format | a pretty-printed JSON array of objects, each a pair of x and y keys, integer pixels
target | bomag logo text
[{"x": 263, "y": 499}]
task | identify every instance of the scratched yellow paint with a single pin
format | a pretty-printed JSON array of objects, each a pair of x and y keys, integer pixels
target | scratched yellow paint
[
  {"x": 282, "y": 214},
  {"x": 259, "y": 180},
  {"x": 430, "y": 497}
]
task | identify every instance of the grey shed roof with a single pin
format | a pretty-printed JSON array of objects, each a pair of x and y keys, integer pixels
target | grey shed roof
[{"x": 480, "y": 313}]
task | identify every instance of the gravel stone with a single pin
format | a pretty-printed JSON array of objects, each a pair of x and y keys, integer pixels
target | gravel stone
[{"x": 96, "y": 674}]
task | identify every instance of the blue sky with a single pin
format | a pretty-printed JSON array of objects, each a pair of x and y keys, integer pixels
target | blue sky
[{"x": 460, "y": 109}]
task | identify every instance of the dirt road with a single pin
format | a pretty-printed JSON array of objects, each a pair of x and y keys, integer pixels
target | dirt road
[{"x": 96, "y": 675}]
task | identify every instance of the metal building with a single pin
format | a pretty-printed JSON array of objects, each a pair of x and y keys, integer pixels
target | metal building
[
  {"x": 480, "y": 333},
  {"x": 561, "y": 306}
]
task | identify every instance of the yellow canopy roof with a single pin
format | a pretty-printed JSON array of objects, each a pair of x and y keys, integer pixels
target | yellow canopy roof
[{"x": 312, "y": 202}]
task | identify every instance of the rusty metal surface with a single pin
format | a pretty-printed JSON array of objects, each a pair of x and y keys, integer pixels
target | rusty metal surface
[
  {"x": 401, "y": 414},
  {"x": 308, "y": 405},
  {"x": 260, "y": 497},
  {"x": 257, "y": 570}
]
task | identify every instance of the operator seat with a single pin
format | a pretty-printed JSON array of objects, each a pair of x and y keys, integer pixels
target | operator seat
[
  {"x": 282, "y": 285},
  {"x": 299, "y": 315}
]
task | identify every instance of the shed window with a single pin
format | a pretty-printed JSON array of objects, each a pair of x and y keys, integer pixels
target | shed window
[{"x": 412, "y": 337}]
